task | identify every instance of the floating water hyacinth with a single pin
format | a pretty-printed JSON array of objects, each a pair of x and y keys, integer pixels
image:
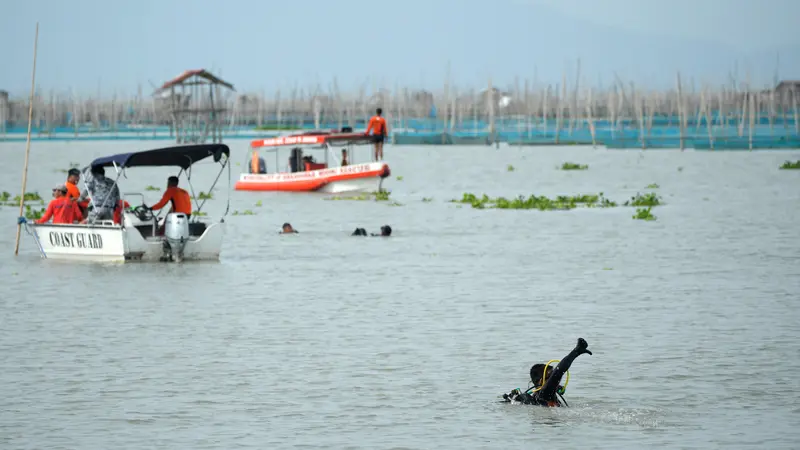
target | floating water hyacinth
[
  {"x": 573, "y": 166},
  {"x": 203, "y": 196},
  {"x": 652, "y": 186},
  {"x": 152, "y": 188},
  {"x": 33, "y": 213},
  {"x": 377, "y": 196},
  {"x": 649, "y": 199},
  {"x": 542, "y": 203},
  {"x": 788, "y": 165},
  {"x": 644, "y": 214}
]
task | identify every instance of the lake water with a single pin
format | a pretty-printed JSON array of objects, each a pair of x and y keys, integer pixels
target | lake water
[{"x": 321, "y": 339}]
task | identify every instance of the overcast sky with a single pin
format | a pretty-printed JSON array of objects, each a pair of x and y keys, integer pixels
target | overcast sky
[{"x": 269, "y": 45}]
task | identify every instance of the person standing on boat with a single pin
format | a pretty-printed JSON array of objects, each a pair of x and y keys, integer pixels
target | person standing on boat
[
  {"x": 344, "y": 157},
  {"x": 377, "y": 124},
  {"x": 73, "y": 176},
  {"x": 73, "y": 192},
  {"x": 104, "y": 193},
  {"x": 61, "y": 209},
  {"x": 179, "y": 199}
]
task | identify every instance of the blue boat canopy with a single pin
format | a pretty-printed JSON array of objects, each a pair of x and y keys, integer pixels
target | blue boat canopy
[{"x": 182, "y": 156}]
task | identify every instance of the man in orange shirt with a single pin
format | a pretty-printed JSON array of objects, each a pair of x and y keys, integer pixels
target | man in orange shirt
[
  {"x": 73, "y": 192},
  {"x": 62, "y": 208},
  {"x": 377, "y": 124},
  {"x": 73, "y": 176},
  {"x": 179, "y": 199}
]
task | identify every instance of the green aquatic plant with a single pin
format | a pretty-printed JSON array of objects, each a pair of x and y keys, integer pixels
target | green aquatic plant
[
  {"x": 203, "y": 196},
  {"x": 788, "y": 165},
  {"x": 652, "y": 186},
  {"x": 573, "y": 166},
  {"x": 649, "y": 199},
  {"x": 360, "y": 197},
  {"x": 377, "y": 196},
  {"x": 259, "y": 204},
  {"x": 30, "y": 197},
  {"x": 542, "y": 203},
  {"x": 399, "y": 178},
  {"x": 395, "y": 203},
  {"x": 381, "y": 195},
  {"x": 644, "y": 214},
  {"x": 33, "y": 213},
  {"x": 426, "y": 199},
  {"x": 5, "y": 196},
  {"x": 152, "y": 188},
  {"x": 199, "y": 213},
  {"x": 246, "y": 212},
  {"x": 510, "y": 168}
]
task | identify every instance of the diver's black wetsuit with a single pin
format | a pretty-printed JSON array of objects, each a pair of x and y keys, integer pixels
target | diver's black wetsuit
[{"x": 546, "y": 396}]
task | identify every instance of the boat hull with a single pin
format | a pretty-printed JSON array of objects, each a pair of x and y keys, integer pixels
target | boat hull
[
  {"x": 355, "y": 178},
  {"x": 114, "y": 243}
]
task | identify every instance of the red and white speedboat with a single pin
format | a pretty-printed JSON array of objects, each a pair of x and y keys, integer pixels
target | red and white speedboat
[{"x": 303, "y": 173}]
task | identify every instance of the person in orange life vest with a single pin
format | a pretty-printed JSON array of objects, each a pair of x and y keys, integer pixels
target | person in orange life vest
[
  {"x": 122, "y": 205},
  {"x": 377, "y": 125},
  {"x": 61, "y": 209},
  {"x": 179, "y": 199},
  {"x": 73, "y": 192}
]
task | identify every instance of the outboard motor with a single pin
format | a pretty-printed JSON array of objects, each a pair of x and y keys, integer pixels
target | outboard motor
[{"x": 176, "y": 234}]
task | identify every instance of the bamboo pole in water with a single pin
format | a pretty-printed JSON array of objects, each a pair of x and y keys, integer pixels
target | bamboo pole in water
[
  {"x": 28, "y": 141},
  {"x": 703, "y": 100},
  {"x": 752, "y": 119},
  {"x": 490, "y": 105},
  {"x": 681, "y": 115},
  {"x": 574, "y": 111},
  {"x": 545, "y": 110},
  {"x": 590, "y": 117},
  {"x": 446, "y": 103},
  {"x": 637, "y": 101},
  {"x": 796, "y": 122},
  {"x": 560, "y": 113}
]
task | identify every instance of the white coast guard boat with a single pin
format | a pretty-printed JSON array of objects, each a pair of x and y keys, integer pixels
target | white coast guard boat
[
  {"x": 303, "y": 174},
  {"x": 136, "y": 238}
]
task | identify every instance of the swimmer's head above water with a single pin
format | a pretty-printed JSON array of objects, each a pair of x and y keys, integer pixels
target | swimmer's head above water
[
  {"x": 287, "y": 229},
  {"x": 386, "y": 231}
]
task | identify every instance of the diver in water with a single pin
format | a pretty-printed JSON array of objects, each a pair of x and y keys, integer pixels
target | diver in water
[
  {"x": 386, "y": 231},
  {"x": 287, "y": 229},
  {"x": 546, "y": 380}
]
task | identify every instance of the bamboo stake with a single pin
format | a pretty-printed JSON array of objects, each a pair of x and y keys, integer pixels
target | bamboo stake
[
  {"x": 490, "y": 104},
  {"x": 28, "y": 141},
  {"x": 796, "y": 122},
  {"x": 681, "y": 115},
  {"x": 590, "y": 117}
]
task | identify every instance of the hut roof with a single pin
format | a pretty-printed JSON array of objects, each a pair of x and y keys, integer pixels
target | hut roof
[{"x": 202, "y": 73}]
